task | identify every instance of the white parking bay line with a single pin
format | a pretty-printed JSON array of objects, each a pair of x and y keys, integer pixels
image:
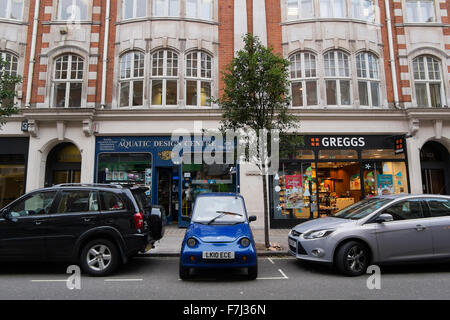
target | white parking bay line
[
  {"x": 45, "y": 280},
  {"x": 283, "y": 274},
  {"x": 123, "y": 280},
  {"x": 271, "y": 261},
  {"x": 284, "y": 277}
]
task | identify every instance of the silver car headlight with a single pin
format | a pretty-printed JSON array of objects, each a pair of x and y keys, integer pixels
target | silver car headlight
[{"x": 316, "y": 234}]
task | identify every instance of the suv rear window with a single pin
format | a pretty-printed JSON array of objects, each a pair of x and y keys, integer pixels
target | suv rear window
[
  {"x": 111, "y": 202},
  {"x": 141, "y": 197}
]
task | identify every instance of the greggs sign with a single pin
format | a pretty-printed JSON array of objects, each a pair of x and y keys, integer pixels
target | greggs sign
[{"x": 338, "y": 142}]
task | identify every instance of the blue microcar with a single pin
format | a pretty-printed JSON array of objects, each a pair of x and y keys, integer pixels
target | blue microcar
[{"x": 219, "y": 235}]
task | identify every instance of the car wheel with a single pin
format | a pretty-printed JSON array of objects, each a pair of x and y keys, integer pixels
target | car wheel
[
  {"x": 252, "y": 273},
  {"x": 352, "y": 258},
  {"x": 99, "y": 258},
  {"x": 184, "y": 272}
]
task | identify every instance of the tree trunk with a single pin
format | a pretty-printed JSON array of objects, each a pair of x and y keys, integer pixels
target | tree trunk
[{"x": 266, "y": 212}]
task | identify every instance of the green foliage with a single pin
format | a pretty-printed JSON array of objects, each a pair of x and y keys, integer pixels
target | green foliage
[
  {"x": 7, "y": 92},
  {"x": 256, "y": 93}
]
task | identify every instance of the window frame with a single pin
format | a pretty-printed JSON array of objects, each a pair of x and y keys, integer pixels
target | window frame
[
  {"x": 133, "y": 78},
  {"x": 164, "y": 77},
  {"x": 299, "y": 9},
  {"x": 418, "y": 11},
  {"x": 333, "y": 11},
  {"x": 8, "y": 11},
  {"x": 361, "y": 9},
  {"x": 74, "y": 2},
  {"x": 4, "y": 55},
  {"x": 303, "y": 79},
  {"x": 166, "y": 9},
  {"x": 135, "y": 10},
  {"x": 427, "y": 81},
  {"x": 337, "y": 78},
  {"x": 198, "y": 79},
  {"x": 368, "y": 79},
  {"x": 67, "y": 81},
  {"x": 199, "y": 10}
]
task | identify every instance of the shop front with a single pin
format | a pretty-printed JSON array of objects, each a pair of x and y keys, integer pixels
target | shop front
[
  {"x": 325, "y": 174},
  {"x": 150, "y": 162},
  {"x": 13, "y": 163}
]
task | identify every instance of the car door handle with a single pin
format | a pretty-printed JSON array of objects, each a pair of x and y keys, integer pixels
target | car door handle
[
  {"x": 419, "y": 227},
  {"x": 87, "y": 219},
  {"x": 38, "y": 222}
]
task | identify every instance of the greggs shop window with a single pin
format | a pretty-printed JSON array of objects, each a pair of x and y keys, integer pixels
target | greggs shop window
[{"x": 328, "y": 173}]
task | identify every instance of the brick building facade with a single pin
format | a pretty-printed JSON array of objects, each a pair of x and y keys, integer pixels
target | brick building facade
[{"x": 359, "y": 68}]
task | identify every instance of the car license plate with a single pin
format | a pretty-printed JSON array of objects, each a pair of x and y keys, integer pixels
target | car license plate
[
  {"x": 292, "y": 242},
  {"x": 220, "y": 255}
]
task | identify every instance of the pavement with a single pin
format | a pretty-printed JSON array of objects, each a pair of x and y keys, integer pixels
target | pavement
[{"x": 170, "y": 244}]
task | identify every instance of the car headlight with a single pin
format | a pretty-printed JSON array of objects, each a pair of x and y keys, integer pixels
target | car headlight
[
  {"x": 191, "y": 242},
  {"x": 295, "y": 233},
  {"x": 317, "y": 234},
  {"x": 245, "y": 242}
]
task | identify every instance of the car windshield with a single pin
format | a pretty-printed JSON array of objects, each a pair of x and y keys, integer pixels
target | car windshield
[
  {"x": 219, "y": 210},
  {"x": 362, "y": 209}
]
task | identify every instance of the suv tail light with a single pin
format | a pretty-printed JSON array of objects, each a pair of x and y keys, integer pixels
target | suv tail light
[{"x": 139, "y": 220}]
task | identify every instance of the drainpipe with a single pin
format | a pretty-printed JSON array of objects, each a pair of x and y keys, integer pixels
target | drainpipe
[
  {"x": 391, "y": 54},
  {"x": 32, "y": 53},
  {"x": 105, "y": 54}
]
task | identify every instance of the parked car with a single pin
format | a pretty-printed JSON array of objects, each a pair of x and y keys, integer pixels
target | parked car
[
  {"x": 97, "y": 226},
  {"x": 219, "y": 235},
  {"x": 378, "y": 230}
]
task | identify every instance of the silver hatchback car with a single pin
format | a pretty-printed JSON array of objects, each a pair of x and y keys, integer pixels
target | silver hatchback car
[{"x": 378, "y": 230}]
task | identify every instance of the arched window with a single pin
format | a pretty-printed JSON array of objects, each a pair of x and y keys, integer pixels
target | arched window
[
  {"x": 363, "y": 10},
  {"x": 11, "y": 9},
  {"x": 299, "y": 9},
  {"x": 11, "y": 63},
  {"x": 132, "y": 9},
  {"x": 198, "y": 78},
  {"x": 73, "y": 10},
  {"x": 131, "y": 79},
  {"x": 427, "y": 81},
  {"x": 68, "y": 81},
  {"x": 164, "y": 75},
  {"x": 303, "y": 79},
  {"x": 337, "y": 78},
  {"x": 166, "y": 8},
  {"x": 368, "y": 79},
  {"x": 333, "y": 8}
]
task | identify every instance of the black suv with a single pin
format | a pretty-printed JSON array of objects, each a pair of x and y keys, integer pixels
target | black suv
[{"x": 97, "y": 226}]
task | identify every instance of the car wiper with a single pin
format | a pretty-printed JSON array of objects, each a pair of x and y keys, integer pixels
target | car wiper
[{"x": 222, "y": 213}]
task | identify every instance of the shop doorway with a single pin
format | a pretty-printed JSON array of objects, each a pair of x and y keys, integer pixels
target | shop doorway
[
  {"x": 435, "y": 163},
  {"x": 63, "y": 165},
  {"x": 168, "y": 192}
]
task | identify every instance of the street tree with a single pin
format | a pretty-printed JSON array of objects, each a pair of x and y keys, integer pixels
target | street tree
[
  {"x": 8, "y": 82},
  {"x": 256, "y": 98}
]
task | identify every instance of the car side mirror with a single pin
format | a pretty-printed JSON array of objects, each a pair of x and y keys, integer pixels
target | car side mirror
[
  {"x": 251, "y": 218},
  {"x": 385, "y": 217}
]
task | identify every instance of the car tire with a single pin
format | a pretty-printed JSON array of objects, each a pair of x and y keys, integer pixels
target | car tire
[
  {"x": 104, "y": 263},
  {"x": 184, "y": 272},
  {"x": 252, "y": 272},
  {"x": 352, "y": 258}
]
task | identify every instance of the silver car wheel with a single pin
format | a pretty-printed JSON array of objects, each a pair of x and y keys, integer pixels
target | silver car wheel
[
  {"x": 99, "y": 257},
  {"x": 356, "y": 259}
]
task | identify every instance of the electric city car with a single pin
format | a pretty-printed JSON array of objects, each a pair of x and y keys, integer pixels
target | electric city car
[{"x": 219, "y": 235}]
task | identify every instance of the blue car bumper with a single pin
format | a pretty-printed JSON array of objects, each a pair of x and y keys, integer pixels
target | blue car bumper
[{"x": 244, "y": 257}]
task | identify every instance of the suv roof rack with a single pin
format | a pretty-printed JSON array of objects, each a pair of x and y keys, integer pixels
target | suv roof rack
[{"x": 106, "y": 185}]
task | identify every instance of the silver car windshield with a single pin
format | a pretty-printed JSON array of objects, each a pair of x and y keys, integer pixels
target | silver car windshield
[
  {"x": 361, "y": 209},
  {"x": 219, "y": 210}
]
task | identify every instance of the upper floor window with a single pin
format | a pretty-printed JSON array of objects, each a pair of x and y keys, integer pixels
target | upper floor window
[
  {"x": 131, "y": 81},
  {"x": 164, "y": 83},
  {"x": 299, "y": 9},
  {"x": 11, "y": 63},
  {"x": 74, "y": 10},
  {"x": 68, "y": 81},
  {"x": 427, "y": 81},
  {"x": 198, "y": 78},
  {"x": 200, "y": 9},
  {"x": 368, "y": 79},
  {"x": 132, "y": 9},
  {"x": 363, "y": 10},
  {"x": 337, "y": 78},
  {"x": 11, "y": 9},
  {"x": 333, "y": 8},
  {"x": 303, "y": 79},
  {"x": 420, "y": 10},
  {"x": 166, "y": 8}
]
